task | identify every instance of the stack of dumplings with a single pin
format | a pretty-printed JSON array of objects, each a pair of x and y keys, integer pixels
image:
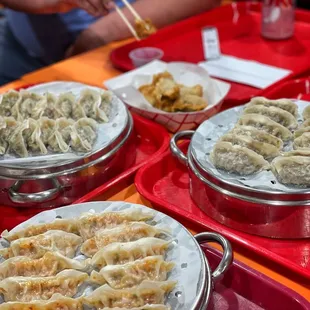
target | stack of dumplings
[
  {"x": 38, "y": 124},
  {"x": 256, "y": 142},
  {"x": 124, "y": 264}
]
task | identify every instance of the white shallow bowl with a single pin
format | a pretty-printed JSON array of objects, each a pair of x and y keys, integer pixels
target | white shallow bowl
[{"x": 126, "y": 87}]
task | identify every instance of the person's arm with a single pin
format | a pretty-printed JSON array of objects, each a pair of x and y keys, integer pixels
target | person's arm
[
  {"x": 161, "y": 12},
  {"x": 94, "y": 7}
]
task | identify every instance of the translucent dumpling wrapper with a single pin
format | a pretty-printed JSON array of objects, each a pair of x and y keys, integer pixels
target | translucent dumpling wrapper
[
  {"x": 306, "y": 123},
  {"x": 124, "y": 233},
  {"x": 47, "y": 127},
  {"x": 121, "y": 253},
  {"x": 278, "y": 115},
  {"x": 257, "y": 135},
  {"x": 57, "y": 144},
  {"x": 91, "y": 101},
  {"x": 264, "y": 123},
  {"x": 49, "y": 110},
  {"x": 284, "y": 104},
  {"x": 152, "y": 268},
  {"x": 265, "y": 149},
  {"x": 84, "y": 135},
  {"x": 64, "y": 127},
  {"x": 27, "y": 289},
  {"x": 90, "y": 223},
  {"x": 306, "y": 113},
  {"x": 36, "y": 246},
  {"x": 292, "y": 170},
  {"x": 299, "y": 132},
  {"x": 68, "y": 225},
  {"x": 57, "y": 302},
  {"x": 151, "y": 292},
  {"x": 64, "y": 105},
  {"x": 17, "y": 142},
  {"x": 33, "y": 138},
  {"x": 9, "y": 102},
  {"x": 302, "y": 141},
  {"x": 237, "y": 159},
  {"x": 49, "y": 265},
  {"x": 26, "y": 105}
]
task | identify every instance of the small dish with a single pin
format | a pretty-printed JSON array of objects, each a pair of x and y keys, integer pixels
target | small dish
[{"x": 144, "y": 55}]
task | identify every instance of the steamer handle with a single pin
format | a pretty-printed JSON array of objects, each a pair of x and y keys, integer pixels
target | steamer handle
[
  {"x": 227, "y": 255},
  {"x": 21, "y": 198},
  {"x": 187, "y": 134}
]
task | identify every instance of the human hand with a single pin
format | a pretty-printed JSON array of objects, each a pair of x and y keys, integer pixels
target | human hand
[{"x": 93, "y": 7}]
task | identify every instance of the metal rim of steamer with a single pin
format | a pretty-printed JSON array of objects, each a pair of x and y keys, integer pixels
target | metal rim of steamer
[
  {"x": 209, "y": 278},
  {"x": 239, "y": 191},
  {"x": 69, "y": 167}
]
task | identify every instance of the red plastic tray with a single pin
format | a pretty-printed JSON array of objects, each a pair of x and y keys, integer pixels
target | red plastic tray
[
  {"x": 168, "y": 189},
  {"x": 299, "y": 89},
  {"x": 182, "y": 42},
  {"x": 151, "y": 140},
  {"x": 243, "y": 288}
]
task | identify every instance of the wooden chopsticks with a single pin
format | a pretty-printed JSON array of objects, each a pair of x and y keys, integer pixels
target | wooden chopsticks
[{"x": 124, "y": 18}]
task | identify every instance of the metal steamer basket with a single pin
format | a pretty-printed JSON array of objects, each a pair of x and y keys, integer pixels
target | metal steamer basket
[
  {"x": 52, "y": 185},
  {"x": 254, "y": 210},
  {"x": 192, "y": 272}
]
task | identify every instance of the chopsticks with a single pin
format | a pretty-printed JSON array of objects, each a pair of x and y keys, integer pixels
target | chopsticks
[{"x": 126, "y": 21}]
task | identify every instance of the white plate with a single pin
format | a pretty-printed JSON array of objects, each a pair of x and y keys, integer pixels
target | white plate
[
  {"x": 126, "y": 87},
  {"x": 184, "y": 252},
  {"x": 107, "y": 132}
]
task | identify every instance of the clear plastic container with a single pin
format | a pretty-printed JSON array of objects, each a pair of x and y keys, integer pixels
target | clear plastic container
[
  {"x": 278, "y": 17},
  {"x": 142, "y": 56}
]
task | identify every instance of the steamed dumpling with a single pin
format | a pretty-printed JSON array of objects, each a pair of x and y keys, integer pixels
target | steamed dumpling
[
  {"x": 264, "y": 149},
  {"x": 49, "y": 110},
  {"x": 237, "y": 159},
  {"x": 301, "y": 131},
  {"x": 8, "y": 125},
  {"x": 57, "y": 144},
  {"x": 17, "y": 143},
  {"x": 284, "y": 104},
  {"x": 64, "y": 127},
  {"x": 278, "y": 115},
  {"x": 306, "y": 113},
  {"x": 8, "y": 102},
  {"x": 257, "y": 135},
  {"x": 47, "y": 128},
  {"x": 264, "y": 123},
  {"x": 64, "y": 105},
  {"x": 33, "y": 138},
  {"x": 302, "y": 141},
  {"x": 84, "y": 135},
  {"x": 292, "y": 170}
]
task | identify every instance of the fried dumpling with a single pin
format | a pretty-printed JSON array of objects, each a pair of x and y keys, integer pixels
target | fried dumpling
[
  {"x": 36, "y": 246},
  {"x": 284, "y": 104},
  {"x": 264, "y": 123},
  {"x": 264, "y": 149},
  {"x": 257, "y": 135},
  {"x": 237, "y": 159},
  {"x": 302, "y": 141},
  {"x": 64, "y": 105},
  {"x": 123, "y": 233},
  {"x": 28, "y": 289},
  {"x": 90, "y": 100},
  {"x": 90, "y": 223},
  {"x": 122, "y": 253},
  {"x": 152, "y": 268},
  {"x": 9, "y": 102},
  {"x": 49, "y": 265},
  {"x": 292, "y": 170},
  {"x": 306, "y": 113},
  {"x": 145, "y": 307},
  {"x": 47, "y": 127},
  {"x": 278, "y": 115},
  {"x": 151, "y": 292},
  {"x": 84, "y": 135},
  {"x": 57, "y": 302},
  {"x": 68, "y": 225}
]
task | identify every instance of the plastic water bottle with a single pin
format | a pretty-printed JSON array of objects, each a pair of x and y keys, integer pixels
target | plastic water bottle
[{"x": 278, "y": 18}]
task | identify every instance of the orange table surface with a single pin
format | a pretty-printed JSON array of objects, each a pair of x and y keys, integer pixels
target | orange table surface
[{"x": 94, "y": 68}]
